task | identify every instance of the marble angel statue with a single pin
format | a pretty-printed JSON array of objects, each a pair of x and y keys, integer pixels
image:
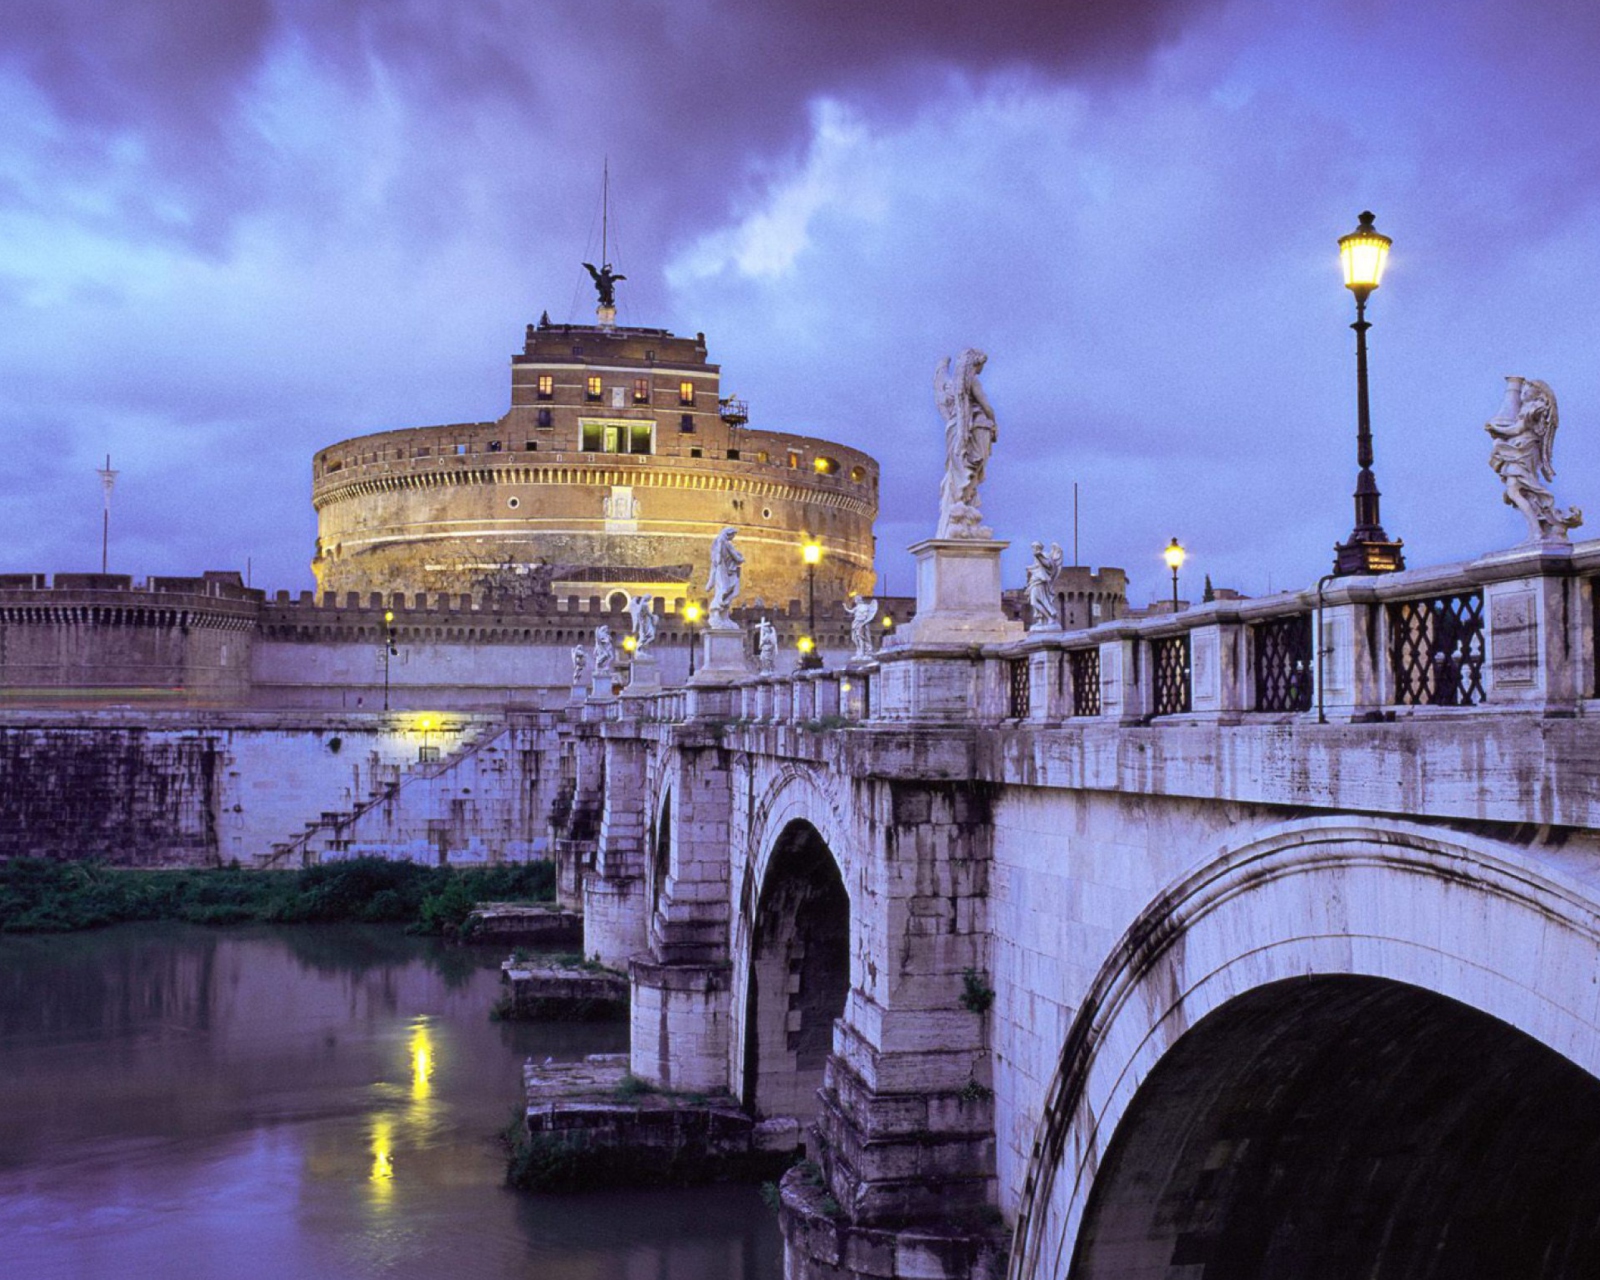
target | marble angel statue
[
  {"x": 969, "y": 436},
  {"x": 1041, "y": 585},
  {"x": 580, "y": 663},
  {"x": 723, "y": 582},
  {"x": 862, "y": 610},
  {"x": 1524, "y": 433},
  {"x": 766, "y": 646},
  {"x": 605, "y": 652},
  {"x": 641, "y": 610}
]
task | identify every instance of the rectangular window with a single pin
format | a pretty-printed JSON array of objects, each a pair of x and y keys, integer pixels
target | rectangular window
[
  {"x": 686, "y": 392},
  {"x": 590, "y": 442},
  {"x": 461, "y": 448},
  {"x": 794, "y": 459},
  {"x": 531, "y": 446},
  {"x": 547, "y": 386},
  {"x": 639, "y": 441},
  {"x": 593, "y": 388},
  {"x": 733, "y": 455},
  {"x": 494, "y": 446},
  {"x": 545, "y": 418},
  {"x": 695, "y": 453},
  {"x": 641, "y": 391},
  {"x": 686, "y": 423}
]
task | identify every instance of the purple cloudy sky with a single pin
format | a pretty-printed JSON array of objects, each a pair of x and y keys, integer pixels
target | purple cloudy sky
[{"x": 233, "y": 232}]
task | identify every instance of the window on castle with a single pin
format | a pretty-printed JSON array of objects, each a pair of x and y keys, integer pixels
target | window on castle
[
  {"x": 592, "y": 389},
  {"x": 733, "y": 455},
  {"x": 825, "y": 466},
  {"x": 686, "y": 392},
  {"x": 639, "y": 438},
  {"x": 763, "y": 456},
  {"x": 696, "y": 452},
  {"x": 858, "y": 474},
  {"x": 545, "y": 418},
  {"x": 641, "y": 391},
  {"x": 494, "y": 446},
  {"x": 794, "y": 459},
  {"x": 592, "y": 438},
  {"x": 530, "y": 446},
  {"x": 686, "y": 423},
  {"x": 547, "y": 386},
  {"x": 461, "y": 448}
]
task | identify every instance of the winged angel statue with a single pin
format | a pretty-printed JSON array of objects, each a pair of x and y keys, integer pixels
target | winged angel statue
[{"x": 1524, "y": 433}]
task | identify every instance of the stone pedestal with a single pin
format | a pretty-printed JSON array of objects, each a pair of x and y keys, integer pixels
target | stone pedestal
[
  {"x": 1533, "y": 618},
  {"x": 958, "y": 594},
  {"x": 722, "y": 656},
  {"x": 603, "y": 687},
  {"x": 645, "y": 677},
  {"x": 578, "y": 696}
]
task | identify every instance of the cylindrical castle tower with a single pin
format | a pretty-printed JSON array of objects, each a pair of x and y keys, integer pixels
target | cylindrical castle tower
[{"x": 615, "y": 467}]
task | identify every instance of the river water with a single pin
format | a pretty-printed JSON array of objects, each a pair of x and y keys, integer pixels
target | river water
[{"x": 302, "y": 1102}]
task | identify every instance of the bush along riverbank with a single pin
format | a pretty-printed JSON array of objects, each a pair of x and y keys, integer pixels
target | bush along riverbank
[{"x": 45, "y": 896}]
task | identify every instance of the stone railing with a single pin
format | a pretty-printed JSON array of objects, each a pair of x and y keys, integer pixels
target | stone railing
[{"x": 1514, "y": 630}]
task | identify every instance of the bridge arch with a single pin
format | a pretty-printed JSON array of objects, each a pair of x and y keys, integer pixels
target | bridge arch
[
  {"x": 792, "y": 949},
  {"x": 1209, "y": 1071}
]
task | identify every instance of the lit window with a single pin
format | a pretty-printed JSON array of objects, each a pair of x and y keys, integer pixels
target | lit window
[
  {"x": 641, "y": 391},
  {"x": 547, "y": 386},
  {"x": 824, "y": 466},
  {"x": 639, "y": 441},
  {"x": 590, "y": 440},
  {"x": 763, "y": 456},
  {"x": 858, "y": 474},
  {"x": 686, "y": 392},
  {"x": 593, "y": 388},
  {"x": 794, "y": 459}
]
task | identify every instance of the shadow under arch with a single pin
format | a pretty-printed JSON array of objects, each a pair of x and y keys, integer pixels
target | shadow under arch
[
  {"x": 1475, "y": 946},
  {"x": 798, "y": 975}
]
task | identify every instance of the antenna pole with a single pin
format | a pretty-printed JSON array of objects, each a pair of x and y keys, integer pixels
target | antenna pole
[
  {"x": 605, "y": 213},
  {"x": 108, "y": 478},
  {"x": 1075, "y": 560}
]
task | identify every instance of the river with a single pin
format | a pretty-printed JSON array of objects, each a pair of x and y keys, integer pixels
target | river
[{"x": 317, "y": 1101}]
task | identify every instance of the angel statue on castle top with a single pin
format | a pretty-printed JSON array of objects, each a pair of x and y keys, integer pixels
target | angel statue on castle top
[{"x": 1524, "y": 433}]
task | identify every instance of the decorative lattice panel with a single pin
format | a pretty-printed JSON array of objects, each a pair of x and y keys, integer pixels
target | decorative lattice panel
[
  {"x": 1436, "y": 650},
  {"x": 1021, "y": 688},
  {"x": 1283, "y": 663},
  {"x": 1085, "y": 665},
  {"x": 1171, "y": 658}
]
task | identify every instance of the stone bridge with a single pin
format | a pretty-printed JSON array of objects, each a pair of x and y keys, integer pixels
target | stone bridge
[{"x": 1258, "y": 940}]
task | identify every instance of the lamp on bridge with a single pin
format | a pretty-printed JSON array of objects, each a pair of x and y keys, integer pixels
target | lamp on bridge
[
  {"x": 811, "y": 553},
  {"x": 1364, "y": 252},
  {"x": 691, "y": 615},
  {"x": 388, "y": 652},
  {"x": 1174, "y": 555}
]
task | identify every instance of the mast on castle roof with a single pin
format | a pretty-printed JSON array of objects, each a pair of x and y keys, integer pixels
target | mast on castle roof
[{"x": 605, "y": 279}]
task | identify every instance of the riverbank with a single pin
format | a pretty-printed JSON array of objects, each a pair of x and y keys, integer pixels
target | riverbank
[{"x": 45, "y": 896}]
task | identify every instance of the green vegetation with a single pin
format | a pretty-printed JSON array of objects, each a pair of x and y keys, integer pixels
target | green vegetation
[
  {"x": 43, "y": 896},
  {"x": 976, "y": 993}
]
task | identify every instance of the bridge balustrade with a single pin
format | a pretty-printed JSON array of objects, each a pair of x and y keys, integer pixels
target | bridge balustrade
[{"x": 1437, "y": 650}]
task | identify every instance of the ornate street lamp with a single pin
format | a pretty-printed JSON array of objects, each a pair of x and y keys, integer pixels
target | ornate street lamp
[
  {"x": 811, "y": 553},
  {"x": 691, "y": 615},
  {"x": 388, "y": 652},
  {"x": 1364, "y": 252},
  {"x": 1174, "y": 556}
]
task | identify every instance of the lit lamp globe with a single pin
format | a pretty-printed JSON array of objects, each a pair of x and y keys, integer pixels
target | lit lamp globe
[
  {"x": 691, "y": 613},
  {"x": 630, "y": 643},
  {"x": 1174, "y": 555},
  {"x": 1364, "y": 253}
]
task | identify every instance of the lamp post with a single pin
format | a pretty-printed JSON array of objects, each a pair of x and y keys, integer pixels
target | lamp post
[
  {"x": 691, "y": 615},
  {"x": 1174, "y": 556},
  {"x": 811, "y": 553},
  {"x": 1364, "y": 252},
  {"x": 388, "y": 652},
  {"x": 108, "y": 481}
]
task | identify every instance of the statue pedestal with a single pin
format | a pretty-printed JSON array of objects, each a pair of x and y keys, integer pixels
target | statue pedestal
[
  {"x": 645, "y": 676},
  {"x": 958, "y": 594},
  {"x": 722, "y": 656},
  {"x": 603, "y": 688}
]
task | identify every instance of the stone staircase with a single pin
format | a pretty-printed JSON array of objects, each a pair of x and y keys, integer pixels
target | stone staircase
[{"x": 332, "y": 827}]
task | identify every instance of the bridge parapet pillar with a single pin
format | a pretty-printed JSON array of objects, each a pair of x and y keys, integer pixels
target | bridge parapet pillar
[
  {"x": 1349, "y": 668},
  {"x": 1047, "y": 686},
  {"x": 613, "y": 893},
  {"x": 1539, "y": 653},
  {"x": 1218, "y": 665},
  {"x": 907, "y": 1119},
  {"x": 1125, "y": 679},
  {"x": 680, "y": 987}
]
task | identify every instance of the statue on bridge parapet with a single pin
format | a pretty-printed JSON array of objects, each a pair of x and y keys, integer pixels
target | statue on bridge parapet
[
  {"x": 1041, "y": 585},
  {"x": 580, "y": 664},
  {"x": 862, "y": 610},
  {"x": 766, "y": 646},
  {"x": 969, "y": 435},
  {"x": 605, "y": 652},
  {"x": 641, "y": 610},
  {"x": 1524, "y": 433},
  {"x": 724, "y": 580}
]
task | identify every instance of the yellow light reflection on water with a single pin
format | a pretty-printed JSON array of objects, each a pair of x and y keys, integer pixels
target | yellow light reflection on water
[
  {"x": 382, "y": 1175},
  {"x": 421, "y": 1061}
]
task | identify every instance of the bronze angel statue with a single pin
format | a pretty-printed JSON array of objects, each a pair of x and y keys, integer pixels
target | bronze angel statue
[
  {"x": 1524, "y": 433},
  {"x": 605, "y": 283}
]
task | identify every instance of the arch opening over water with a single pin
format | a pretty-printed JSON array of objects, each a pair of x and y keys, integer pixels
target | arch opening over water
[
  {"x": 1337, "y": 1126},
  {"x": 799, "y": 975}
]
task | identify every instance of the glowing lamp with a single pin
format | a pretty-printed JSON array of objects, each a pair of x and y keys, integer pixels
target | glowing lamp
[
  {"x": 811, "y": 552},
  {"x": 1174, "y": 555},
  {"x": 388, "y": 615},
  {"x": 1364, "y": 253},
  {"x": 805, "y": 644},
  {"x": 630, "y": 643},
  {"x": 691, "y": 612}
]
